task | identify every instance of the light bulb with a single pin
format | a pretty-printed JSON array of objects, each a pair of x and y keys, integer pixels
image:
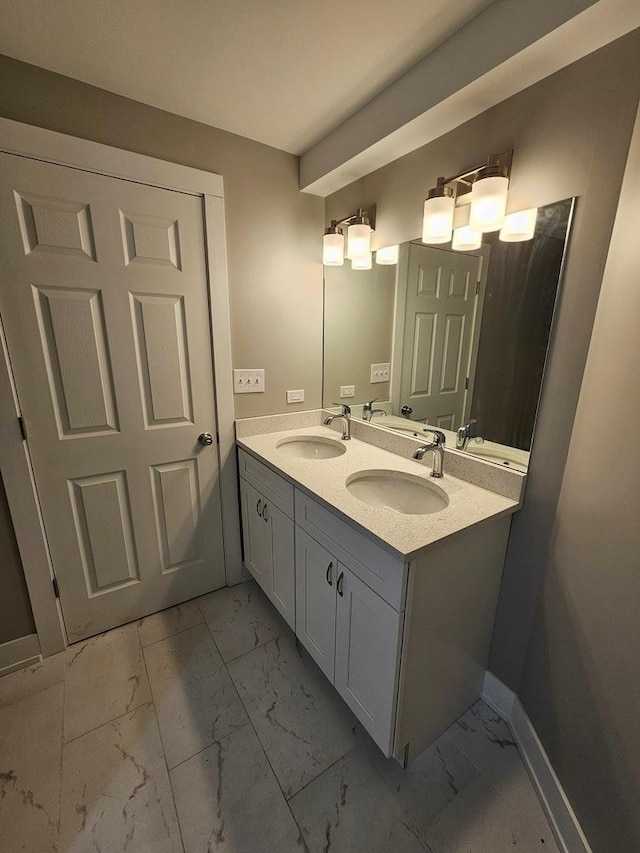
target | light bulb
[
  {"x": 361, "y": 263},
  {"x": 519, "y": 226},
  {"x": 465, "y": 239},
  {"x": 387, "y": 255},
  {"x": 437, "y": 222},
  {"x": 488, "y": 202},
  {"x": 358, "y": 240},
  {"x": 333, "y": 250}
]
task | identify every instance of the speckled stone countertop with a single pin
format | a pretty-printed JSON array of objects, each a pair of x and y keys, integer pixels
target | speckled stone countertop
[{"x": 406, "y": 535}]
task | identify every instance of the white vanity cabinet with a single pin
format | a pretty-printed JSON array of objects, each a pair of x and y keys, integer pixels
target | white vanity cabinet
[
  {"x": 404, "y": 640},
  {"x": 267, "y": 523}
]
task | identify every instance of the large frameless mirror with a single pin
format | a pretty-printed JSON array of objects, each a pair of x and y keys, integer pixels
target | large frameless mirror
[{"x": 449, "y": 339}]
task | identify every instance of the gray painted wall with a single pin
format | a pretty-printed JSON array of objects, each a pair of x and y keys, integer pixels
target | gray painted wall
[
  {"x": 581, "y": 684},
  {"x": 15, "y": 611}
]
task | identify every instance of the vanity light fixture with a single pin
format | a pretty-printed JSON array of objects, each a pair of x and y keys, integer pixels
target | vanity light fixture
[
  {"x": 333, "y": 246},
  {"x": 359, "y": 227},
  {"x": 437, "y": 221},
  {"x": 483, "y": 188},
  {"x": 359, "y": 236},
  {"x": 489, "y": 198},
  {"x": 361, "y": 263},
  {"x": 387, "y": 255},
  {"x": 519, "y": 226},
  {"x": 465, "y": 239}
]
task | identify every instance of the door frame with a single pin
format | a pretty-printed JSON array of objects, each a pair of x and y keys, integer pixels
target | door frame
[{"x": 59, "y": 149}]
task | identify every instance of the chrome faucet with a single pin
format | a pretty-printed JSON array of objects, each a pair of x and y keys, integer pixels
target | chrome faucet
[
  {"x": 464, "y": 434},
  {"x": 437, "y": 445},
  {"x": 346, "y": 420},
  {"x": 368, "y": 411}
]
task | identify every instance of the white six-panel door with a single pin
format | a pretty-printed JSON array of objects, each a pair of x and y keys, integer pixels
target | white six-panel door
[
  {"x": 104, "y": 300},
  {"x": 439, "y": 321}
]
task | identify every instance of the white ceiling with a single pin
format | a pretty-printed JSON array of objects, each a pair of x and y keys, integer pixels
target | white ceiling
[{"x": 283, "y": 72}]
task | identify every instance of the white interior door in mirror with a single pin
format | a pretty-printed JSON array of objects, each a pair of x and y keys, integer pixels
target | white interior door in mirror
[
  {"x": 104, "y": 300},
  {"x": 435, "y": 350}
]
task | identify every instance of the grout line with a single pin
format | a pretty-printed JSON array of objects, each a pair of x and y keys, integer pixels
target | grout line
[{"x": 169, "y": 636}]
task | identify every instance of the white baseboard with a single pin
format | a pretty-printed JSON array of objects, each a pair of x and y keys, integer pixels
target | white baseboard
[
  {"x": 18, "y": 653},
  {"x": 563, "y": 820}
]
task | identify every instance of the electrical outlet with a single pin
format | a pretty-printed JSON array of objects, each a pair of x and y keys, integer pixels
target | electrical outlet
[
  {"x": 248, "y": 381},
  {"x": 295, "y": 396},
  {"x": 380, "y": 372},
  {"x": 347, "y": 390}
]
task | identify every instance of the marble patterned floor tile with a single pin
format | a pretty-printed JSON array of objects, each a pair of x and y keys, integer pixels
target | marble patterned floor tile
[
  {"x": 302, "y": 723},
  {"x": 116, "y": 794},
  {"x": 164, "y": 624},
  {"x": 241, "y": 618},
  {"x": 486, "y": 820},
  {"x": 105, "y": 678},
  {"x": 349, "y": 809},
  {"x": 31, "y": 679},
  {"x": 429, "y": 784},
  {"x": 195, "y": 699},
  {"x": 30, "y": 749},
  {"x": 228, "y": 800},
  {"x": 486, "y": 740}
]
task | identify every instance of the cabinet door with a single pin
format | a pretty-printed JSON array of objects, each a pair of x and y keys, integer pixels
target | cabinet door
[
  {"x": 316, "y": 574},
  {"x": 256, "y": 536},
  {"x": 283, "y": 589},
  {"x": 368, "y": 636}
]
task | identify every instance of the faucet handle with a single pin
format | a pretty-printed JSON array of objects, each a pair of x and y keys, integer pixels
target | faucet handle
[
  {"x": 370, "y": 403},
  {"x": 346, "y": 410},
  {"x": 440, "y": 437}
]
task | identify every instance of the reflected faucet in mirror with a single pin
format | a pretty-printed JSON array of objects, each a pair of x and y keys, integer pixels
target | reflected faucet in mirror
[
  {"x": 465, "y": 432},
  {"x": 368, "y": 411}
]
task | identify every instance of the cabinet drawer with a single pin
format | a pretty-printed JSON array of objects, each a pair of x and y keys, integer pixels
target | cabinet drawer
[
  {"x": 381, "y": 571},
  {"x": 273, "y": 487}
]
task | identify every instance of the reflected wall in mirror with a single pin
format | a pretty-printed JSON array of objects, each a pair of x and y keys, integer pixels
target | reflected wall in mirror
[{"x": 465, "y": 335}]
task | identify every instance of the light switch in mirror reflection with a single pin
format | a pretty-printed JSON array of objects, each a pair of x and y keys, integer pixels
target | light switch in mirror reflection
[{"x": 466, "y": 334}]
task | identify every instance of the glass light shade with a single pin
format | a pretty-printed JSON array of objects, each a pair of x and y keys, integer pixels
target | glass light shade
[
  {"x": 387, "y": 255},
  {"x": 519, "y": 226},
  {"x": 465, "y": 239},
  {"x": 361, "y": 263},
  {"x": 333, "y": 250},
  {"x": 437, "y": 222},
  {"x": 358, "y": 241},
  {"x": 488, "y": 203}
]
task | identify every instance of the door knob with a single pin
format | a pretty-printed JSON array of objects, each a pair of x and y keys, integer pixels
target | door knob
[{"x": 205, "y": 439}]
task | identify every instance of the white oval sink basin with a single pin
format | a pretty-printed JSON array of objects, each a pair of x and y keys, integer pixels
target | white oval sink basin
[
  {"x": 399, "y": 492},
  {"x": 311, "y": 447}
]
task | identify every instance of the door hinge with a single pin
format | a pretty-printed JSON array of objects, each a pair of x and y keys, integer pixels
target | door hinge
[
  {"x": 477, "y": 287},
  {"x": 466, "y": 384},
  {"x": 56, "y": 590},
  {"x": 23, "y": 428},
  {"x": 217, "y": 437}
]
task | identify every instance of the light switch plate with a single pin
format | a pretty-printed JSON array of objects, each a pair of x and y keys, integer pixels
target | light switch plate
[
  {"x": 248, "y": 381},
  {"x": 347, "y": 390},
  {"x": 380, "y": 372},
  {"x": 295, "y": 396}
]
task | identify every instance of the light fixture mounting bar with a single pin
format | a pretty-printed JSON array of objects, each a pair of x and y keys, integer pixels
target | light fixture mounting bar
[
  {"x": 368, "y": 212},
  {"x": 465, "y": 178}
]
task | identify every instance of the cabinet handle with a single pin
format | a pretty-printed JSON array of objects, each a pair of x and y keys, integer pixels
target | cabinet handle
[
  {"x": 329, "y": 567},
  {"x": 265, "y": 514},
  {"x": 340, "y": 584},
  {"x": 259, "y": 506}
]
